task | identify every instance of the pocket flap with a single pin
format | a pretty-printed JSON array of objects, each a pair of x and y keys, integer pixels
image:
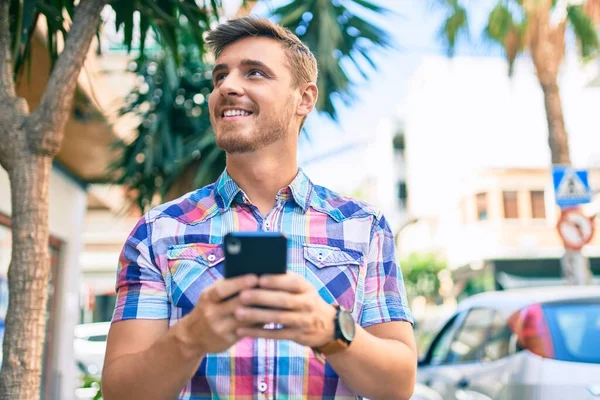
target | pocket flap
[
  {"x": 208, "y": 254},
  {"x": 327, "y": 256}
]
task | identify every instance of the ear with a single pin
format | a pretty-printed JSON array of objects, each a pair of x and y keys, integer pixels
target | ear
[{"x": 309, "y": 93}]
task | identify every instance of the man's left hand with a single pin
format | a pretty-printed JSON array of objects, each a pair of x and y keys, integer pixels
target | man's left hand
[{"x": 291, "y": 301}]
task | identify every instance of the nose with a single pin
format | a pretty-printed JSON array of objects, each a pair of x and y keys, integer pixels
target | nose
[{"x": 231, "y": 85}]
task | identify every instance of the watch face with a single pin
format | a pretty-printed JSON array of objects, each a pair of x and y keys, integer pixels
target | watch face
[{"x": 347, "y": 325}]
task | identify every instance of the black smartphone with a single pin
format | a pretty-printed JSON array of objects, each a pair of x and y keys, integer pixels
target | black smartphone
[{"x": 257, "y": 253}]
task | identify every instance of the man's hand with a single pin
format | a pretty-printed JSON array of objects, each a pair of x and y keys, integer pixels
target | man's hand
[
  {"x": 211, "y": 326},
  {"x": 291, "y": 301}
]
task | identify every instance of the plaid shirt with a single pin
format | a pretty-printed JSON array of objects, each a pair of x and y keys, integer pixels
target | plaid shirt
[{"x": 341, "y": 246}]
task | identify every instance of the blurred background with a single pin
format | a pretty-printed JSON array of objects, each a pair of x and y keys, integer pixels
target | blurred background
[{"x": 473, "y": 125}]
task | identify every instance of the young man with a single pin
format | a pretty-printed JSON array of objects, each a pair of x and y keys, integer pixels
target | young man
[{"x": 182, "y": 331}]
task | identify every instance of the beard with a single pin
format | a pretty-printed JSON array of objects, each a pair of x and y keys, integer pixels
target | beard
[{"x": 271, "y": 129}]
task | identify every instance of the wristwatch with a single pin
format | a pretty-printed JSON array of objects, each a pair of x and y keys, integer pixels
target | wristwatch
[{"x": 345, "y": 329}]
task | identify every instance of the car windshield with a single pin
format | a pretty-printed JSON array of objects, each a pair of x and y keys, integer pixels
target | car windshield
[{"x": 575, "y": 331}]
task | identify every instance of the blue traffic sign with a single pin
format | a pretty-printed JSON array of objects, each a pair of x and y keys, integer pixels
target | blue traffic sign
[{"x": 571, "y": 187}]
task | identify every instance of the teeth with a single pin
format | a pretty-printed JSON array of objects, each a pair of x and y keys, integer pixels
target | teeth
[{"x": 235, "y": 113}]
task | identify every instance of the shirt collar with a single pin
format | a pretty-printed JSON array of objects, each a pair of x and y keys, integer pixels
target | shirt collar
[{"x": 226, "y": 191}]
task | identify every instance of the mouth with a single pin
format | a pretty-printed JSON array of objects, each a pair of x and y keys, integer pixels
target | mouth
[{"x": 235, "y": 114}]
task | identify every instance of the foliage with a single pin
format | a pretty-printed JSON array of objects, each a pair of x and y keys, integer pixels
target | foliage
[
  {"x": 174, "y": 150},
  {"x": 163, "y": 17},
  {"x": 420, "y": 272},
  {"x": 335, "y": 34},
  {"x": 511, "y": 25},
  {"x": 174, "y": 130}
]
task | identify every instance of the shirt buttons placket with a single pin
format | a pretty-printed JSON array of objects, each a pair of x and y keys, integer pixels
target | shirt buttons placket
[{"x": 267, "y": 226}]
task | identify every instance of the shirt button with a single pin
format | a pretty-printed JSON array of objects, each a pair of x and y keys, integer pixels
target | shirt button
[
  {"x": 262, "y": 387},
  {"x": 267, "y": 226},
  {"x": 211, "y": 257}
]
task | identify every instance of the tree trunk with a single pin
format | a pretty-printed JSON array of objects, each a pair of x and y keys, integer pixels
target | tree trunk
[
  {"x": 575, "y": 268},
  {"x": 28, "y": 143},
  {"x": 558, "y": 140},
  {"x": 28, "y": 275}
]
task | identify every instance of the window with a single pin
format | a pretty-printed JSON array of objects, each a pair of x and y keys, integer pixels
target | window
[
  {"x": 482, "y": 207},
  {"x": 498, "y": 342},
  {"x": 402, "y": 193},
  {"x": 441, "y": 345},
  {"x": 467, "y": 345},
  {"x": 538, "y": 204},
  {"x": 511, "y": 206}
]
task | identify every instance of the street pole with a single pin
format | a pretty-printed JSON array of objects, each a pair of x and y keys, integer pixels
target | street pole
[{"x": 576, "y": 268}]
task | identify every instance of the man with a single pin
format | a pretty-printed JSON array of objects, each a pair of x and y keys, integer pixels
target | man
[{"x": 182, "y": 331}]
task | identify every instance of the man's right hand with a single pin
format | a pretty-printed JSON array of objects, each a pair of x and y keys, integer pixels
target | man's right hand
[{"x": 211, "y": 326}]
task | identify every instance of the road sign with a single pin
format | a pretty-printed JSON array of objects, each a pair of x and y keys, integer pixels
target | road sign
[
  {"x": 575, "y": 229},
  {"x": 571, "y": 187}
]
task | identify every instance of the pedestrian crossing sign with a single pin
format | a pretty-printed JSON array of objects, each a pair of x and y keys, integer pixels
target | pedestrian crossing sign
[{"x": 571, "y": 187}]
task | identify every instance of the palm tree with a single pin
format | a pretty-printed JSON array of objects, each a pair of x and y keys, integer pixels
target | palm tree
[
  {"x": 175, "y": 151},
  {"x": 537, "y": 27},
  {"x": 30, "y": 139}
]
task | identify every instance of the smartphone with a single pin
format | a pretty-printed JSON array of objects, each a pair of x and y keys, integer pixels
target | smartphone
[{"x": 257, "y": 253}]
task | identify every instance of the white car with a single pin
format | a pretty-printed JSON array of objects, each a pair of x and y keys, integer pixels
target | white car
[
  {"x": 537, "y": 343},
  {"x": 89, "y": 347}
]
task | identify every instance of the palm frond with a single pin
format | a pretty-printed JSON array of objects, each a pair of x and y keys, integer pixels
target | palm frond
[
  {"x": 335, "y": 35},
  {"x": 584, "y": 31},
  {"x": 504, "y": 30},
  {"x": 455, "y": 24}
]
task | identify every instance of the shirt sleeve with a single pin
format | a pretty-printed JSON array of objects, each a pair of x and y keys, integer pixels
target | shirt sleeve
[
  {"x": 140, "y": 286},
  {"x": 385, "y": 295}
]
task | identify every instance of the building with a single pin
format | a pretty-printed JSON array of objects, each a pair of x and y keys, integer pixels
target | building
[{"x": 480, "y": 188}]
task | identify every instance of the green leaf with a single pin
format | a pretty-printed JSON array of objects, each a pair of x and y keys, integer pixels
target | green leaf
[
  {"x": 584, "y": 31},
  {"x": 455, "y": 24},
  {"x": 500, "y": 22}
]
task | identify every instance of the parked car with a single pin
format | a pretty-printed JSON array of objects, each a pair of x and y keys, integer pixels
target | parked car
[
  {"x": 538, "y": 343},
  {"x": 89, "y": 347}
]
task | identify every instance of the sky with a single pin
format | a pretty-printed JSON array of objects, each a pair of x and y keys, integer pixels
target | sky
[{"x": 331, "y": 149}]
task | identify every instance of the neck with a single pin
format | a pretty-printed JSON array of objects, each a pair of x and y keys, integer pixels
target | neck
[{"x": 261, "y": 174}]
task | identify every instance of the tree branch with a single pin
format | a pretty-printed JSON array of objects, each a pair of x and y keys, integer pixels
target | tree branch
[
  {"x": 46, "y": 124},
  {"x": 7, "y": 84}
]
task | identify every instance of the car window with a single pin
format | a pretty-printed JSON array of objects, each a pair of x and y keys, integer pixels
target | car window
[
  {"x": 468, "y": 342},
  {"x": 498, "y": 341},
  {"x": 441, "y": 345},
  {"x": 575, "y": 330}
]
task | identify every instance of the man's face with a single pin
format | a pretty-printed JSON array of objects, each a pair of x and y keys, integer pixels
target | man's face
[{"x": 253, "y": 103}]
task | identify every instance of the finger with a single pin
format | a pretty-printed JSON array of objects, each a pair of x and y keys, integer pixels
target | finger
[
  {"x": 272, "y": 299},
  {"x": 278, "y": 334},
  {"x": 226, "y": 288},
  {"x": 227, "y": 307},
  {"x": 257, "y": 316},
  {"x": 288, "y": 282}
]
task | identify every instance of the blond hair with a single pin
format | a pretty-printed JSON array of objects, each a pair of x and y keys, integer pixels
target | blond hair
[{"x": 303, "y": 64}]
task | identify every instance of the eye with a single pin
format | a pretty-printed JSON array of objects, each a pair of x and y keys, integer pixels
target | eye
[
  {"x": 256, "y": 72},
  {"x": 220, "y": 77}
]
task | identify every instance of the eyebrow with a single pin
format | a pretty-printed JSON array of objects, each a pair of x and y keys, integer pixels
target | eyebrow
[{"x": 244, "y": 63}]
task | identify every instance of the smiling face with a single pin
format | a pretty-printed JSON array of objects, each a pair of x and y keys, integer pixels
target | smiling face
[{"x": 255, "y": 102}]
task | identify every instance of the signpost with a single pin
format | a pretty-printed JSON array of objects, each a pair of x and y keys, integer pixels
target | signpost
[{"x": 571, "y": 189}]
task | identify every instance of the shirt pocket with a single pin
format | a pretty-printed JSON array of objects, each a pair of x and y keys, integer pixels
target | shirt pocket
[
  {"x": 193, "y": 268},
  {"x": 334, "y": 272}
]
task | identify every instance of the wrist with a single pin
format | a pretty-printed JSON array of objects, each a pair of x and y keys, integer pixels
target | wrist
[
  {"x": 344, "y": 329},
  {"x": 329, "y": 326}
]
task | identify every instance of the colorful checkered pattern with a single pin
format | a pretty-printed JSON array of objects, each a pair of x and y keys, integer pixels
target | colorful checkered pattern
[{"x": 341, "y": 246}]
